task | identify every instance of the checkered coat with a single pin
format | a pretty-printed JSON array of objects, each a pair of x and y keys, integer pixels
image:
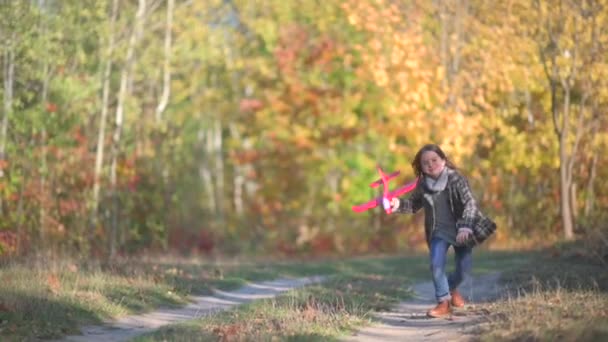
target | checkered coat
[{"x": 463, "y": 204}]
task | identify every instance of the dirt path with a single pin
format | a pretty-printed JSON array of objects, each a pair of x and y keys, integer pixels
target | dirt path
[
  {"x": 408, "y": 321},
  {"x": 128, "y": 327}
]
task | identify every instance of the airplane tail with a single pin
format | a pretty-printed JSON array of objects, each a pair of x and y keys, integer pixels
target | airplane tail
[{"x": 382, "y": 175}]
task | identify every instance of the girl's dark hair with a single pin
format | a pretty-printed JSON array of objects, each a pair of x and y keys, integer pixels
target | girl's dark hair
[{"x": 417, "y": 164}]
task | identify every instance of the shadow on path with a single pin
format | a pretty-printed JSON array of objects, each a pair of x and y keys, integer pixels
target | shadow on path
[{"x": 408, "y": 320}]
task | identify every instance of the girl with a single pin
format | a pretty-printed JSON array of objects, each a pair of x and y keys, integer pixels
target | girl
[{"x": 452, "y": 218}]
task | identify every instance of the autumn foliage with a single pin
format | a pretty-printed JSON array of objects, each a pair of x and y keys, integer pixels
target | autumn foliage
[{"x": 262, "y": 124}]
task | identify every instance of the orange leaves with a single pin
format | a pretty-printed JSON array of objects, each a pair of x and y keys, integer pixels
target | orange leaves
[
  {"x": 242, "y": 157},
  {"x": 396, "y": 59},
  {"x": 3, "y": 164},
  {"x": 53, "y": 283},
  {"x": 51, "y": 107}
]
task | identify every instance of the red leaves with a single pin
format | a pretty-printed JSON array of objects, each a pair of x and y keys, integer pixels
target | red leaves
[
  {"x": 250, "y": 105},
  {"x": 191, "y": 241},
  {"x": 227, "y": 333},
  {"x": 8, "y": 242},
  {"x": 51, "y": 107},
  {"x": 297, "y": 47},
  {"x": 69, "y": 206}
]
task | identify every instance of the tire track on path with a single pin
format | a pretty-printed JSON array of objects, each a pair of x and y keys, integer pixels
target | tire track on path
[{"x": 128, "y": 327}]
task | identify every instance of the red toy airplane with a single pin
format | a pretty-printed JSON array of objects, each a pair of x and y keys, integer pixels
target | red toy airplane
[{"x": 387, "y": 195}]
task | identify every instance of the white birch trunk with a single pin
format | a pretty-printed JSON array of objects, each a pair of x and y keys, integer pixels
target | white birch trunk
[
  {"x": 9, "y": 81},
  {"x": 219, "y": 168},
  {"x": 204, "y": 169},
  {"x": 164, "y": 99},
  {"x": 105, "y": 99},
  {"x": 119, "y": 119}
]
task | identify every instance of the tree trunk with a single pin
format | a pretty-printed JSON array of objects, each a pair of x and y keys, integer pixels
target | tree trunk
[
  {"x": 105, "y": 99},
  {"x": 219, "y": 169},
  {"x": 590, "y": 199},
  {"x": 564, "y": 170},
  {"x": 239, "y": 174},
  {"x": 567, "y": 220},
  {"x": 204, "y": 168},
  {"x": 561, "y": 121},
  {"x": 590, "y": 195},
  {"x": 164, "y": 100},
  {"x": 118, "y": 124},
  {"x": 9, "y": 81},
  {"x": 43, "y": 168}
]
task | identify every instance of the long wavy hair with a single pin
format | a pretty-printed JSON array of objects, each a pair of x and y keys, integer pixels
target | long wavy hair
[{"x": 417, "y": 163}]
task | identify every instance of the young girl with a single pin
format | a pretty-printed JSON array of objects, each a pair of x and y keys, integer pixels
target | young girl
[{"x": 452, "y": 218}]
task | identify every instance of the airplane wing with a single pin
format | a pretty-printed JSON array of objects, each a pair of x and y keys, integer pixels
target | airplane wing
[
  {"x": 369, "y": 205},
  {"x": 388, "y": 177},
  {"x": 404, "y": 189}
]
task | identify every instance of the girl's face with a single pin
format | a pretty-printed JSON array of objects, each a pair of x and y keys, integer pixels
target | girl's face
[{"x": 432, "y": 164}]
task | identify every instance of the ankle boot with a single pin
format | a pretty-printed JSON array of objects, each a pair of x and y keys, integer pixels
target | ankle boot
[
  {"x": 442, "y": 309},
  {"x": 457, "y": 300}
]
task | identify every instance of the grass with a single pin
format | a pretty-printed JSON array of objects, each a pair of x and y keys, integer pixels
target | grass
[
  {"x": 557, "y": 296},
  {"x": 41, "y": 300},
  {"x": 323, "y": 312},
  {"x": 50, "y": 299}
]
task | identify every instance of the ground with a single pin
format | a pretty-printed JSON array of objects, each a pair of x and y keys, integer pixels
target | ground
[{"x": 407, "y": 320}]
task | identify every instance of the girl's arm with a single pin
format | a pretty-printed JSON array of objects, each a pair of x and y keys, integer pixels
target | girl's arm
[{"x": 411, "y": 204}]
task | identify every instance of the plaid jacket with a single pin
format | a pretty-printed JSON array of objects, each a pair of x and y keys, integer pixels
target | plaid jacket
[{"x": 463, "y": 204}]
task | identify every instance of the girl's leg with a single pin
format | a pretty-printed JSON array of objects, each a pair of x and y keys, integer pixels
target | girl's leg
[
  {"x": 439, "y": 250},
  {"x": 464, "y": 262}
]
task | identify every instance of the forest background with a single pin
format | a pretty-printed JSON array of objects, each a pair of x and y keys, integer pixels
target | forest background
[{"x": 252, "y": 127}]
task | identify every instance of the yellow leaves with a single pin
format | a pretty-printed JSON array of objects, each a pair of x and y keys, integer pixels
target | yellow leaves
[
  {"x": 412, "y": 63},
  {"x": 381, "y": 77},
  {"x": 376, "y": 45},
  {"x": 397, "y": 56}
]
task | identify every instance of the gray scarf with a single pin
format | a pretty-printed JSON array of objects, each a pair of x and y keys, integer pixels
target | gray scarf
[{"x": 437, "y": 185}]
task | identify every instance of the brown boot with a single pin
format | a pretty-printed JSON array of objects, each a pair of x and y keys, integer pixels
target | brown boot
[
  {"x": 442, "y": 309},
  {"x": 457, "y": 300}
]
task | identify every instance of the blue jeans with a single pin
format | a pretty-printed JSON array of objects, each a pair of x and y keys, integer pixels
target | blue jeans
[{"x": 463, "y": 260}]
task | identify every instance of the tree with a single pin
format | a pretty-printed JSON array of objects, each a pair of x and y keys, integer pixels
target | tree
[{"x": 567, "y": 38}]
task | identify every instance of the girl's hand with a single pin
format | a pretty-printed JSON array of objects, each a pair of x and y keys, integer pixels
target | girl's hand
[
  {"x": 463, "y": 235},
  {"x": 395, "y": 203}
]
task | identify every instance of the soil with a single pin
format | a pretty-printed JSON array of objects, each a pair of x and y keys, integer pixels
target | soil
[
  {"x": 408, "y": 320},
  {"x": 129, "y": 327}
]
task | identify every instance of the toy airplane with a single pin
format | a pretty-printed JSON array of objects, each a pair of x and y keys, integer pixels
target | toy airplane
[{"x": 387, "y": 195}]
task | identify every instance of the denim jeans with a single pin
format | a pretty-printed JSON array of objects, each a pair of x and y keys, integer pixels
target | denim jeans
[{"x": 463, "y": 262}]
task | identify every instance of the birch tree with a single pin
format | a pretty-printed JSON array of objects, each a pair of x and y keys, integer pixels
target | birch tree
[
  {"x": 166, "y": 86},
  {"x": 119, "y": 120},
  {"x": 103, "y": 117}
]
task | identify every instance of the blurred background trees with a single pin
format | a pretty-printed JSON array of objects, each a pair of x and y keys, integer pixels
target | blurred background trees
[{"x": 253, "y": 126}]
